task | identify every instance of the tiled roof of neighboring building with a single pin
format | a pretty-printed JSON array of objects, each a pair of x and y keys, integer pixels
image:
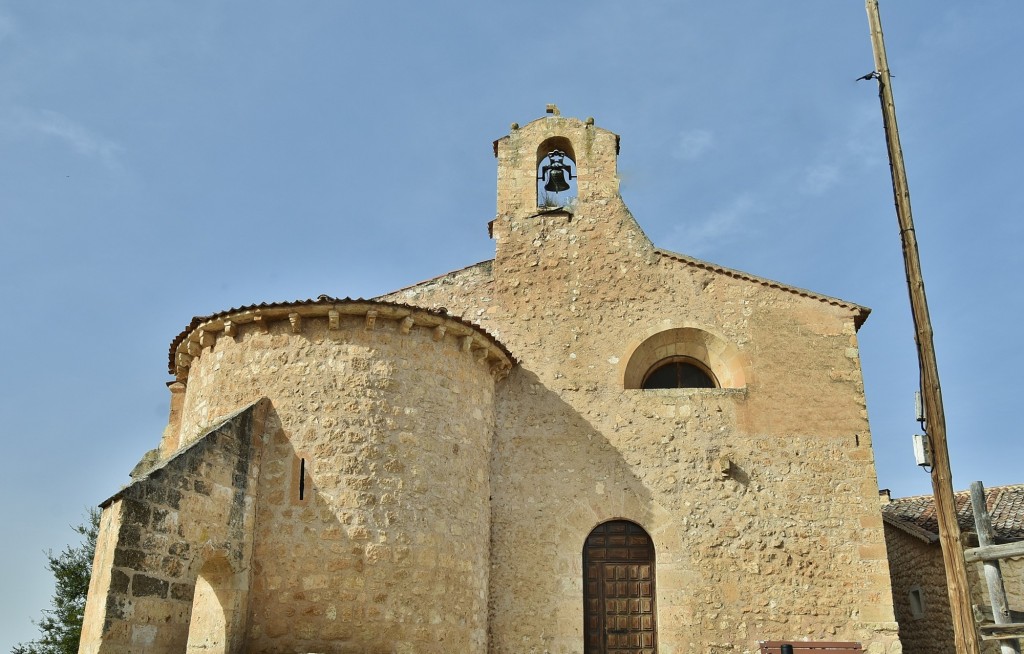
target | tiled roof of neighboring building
[{"x": 916, "y": 515}]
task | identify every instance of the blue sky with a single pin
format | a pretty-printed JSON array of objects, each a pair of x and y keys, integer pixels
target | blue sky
[{"x": 162, "y": 160}]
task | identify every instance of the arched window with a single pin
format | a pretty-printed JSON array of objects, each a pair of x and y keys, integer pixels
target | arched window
[
  {"x": 679, "y": 372},
  {"x": 684, "y": 357}
]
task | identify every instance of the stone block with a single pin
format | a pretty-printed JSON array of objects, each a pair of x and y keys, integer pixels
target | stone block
[{"x": 145, "y": 586}]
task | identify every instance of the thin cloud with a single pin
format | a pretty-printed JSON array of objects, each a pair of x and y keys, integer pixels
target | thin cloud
[
  {"x": 84, "y": 141},
  {"x": 865, "y": 140},
  {"x": 692, "y": 143},
  {"x": 7, "y": 27},
  {"x": 862, "y": 147},
  {"x": 819, "y": 179},
  {"x": 57, "y": 126},
  {"x": 700, "y": 237}
]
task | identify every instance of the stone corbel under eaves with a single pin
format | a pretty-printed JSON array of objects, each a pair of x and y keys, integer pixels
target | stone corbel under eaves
[{"x": 463, "y": 337}]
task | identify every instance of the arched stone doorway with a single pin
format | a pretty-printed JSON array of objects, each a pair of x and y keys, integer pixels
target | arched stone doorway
[
  {"x": 214, "y": 609},
  {"x": 618, "y": 590}
]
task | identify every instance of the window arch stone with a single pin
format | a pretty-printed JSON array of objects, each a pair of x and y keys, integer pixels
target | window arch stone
[{"x": 689, "y": 344}]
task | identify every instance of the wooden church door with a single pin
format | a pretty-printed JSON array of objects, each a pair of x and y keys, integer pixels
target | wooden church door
[{"x": 618, "y": 590}]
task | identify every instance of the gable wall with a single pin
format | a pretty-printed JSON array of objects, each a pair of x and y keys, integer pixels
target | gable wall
[{"x": 786, "y": 544}]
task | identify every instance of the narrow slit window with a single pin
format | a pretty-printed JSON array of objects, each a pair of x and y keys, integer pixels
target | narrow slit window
[
  {"x": 916, "y": 603},
  {"x": 302, "y": 479}
]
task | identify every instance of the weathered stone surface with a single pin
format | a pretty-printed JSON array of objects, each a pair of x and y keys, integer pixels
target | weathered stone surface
[
  {"x": 786, "y": 545},
  {"x": 147, "y": 561},
  {"x": 404, "y": 491},
  {"x": 143, "y": 586},
  {"x": 920, "y": 594}
]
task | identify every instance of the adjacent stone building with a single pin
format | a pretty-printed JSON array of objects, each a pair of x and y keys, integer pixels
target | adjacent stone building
[
  {"x": 920, "y": 595},
  {"x": 586, "y": 444}
]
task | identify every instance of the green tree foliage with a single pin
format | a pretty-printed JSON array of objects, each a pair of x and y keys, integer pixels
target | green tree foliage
[{"x": 61, "y": 626}]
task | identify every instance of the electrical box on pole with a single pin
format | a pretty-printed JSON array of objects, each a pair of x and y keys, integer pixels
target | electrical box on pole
[{"x": 922, "y": 451}]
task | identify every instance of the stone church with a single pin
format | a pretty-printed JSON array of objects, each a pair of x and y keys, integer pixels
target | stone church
[{"x": 587, "y": 444}]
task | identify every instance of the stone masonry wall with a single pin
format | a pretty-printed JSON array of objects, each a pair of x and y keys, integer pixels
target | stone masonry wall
[
  {"x": 373, "y": 518},
  {"x": 466, "y": 293},
  {"x": 394, "y": 498},
  {"x": 761, "y": 500},
  {"x": 786, "y": 545},
  {"x": 158, "y": 533},
  {"x": 917, "y": 565}
]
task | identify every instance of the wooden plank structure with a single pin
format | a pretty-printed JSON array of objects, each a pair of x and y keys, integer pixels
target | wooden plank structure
[
  {"x": 1004, "y": 630},
  {"x": 984, "y": 614},
  {"x": 809, "y": 647},
  {"x": 1009, "y": 631},
  {"x": 994, "y": 552}
]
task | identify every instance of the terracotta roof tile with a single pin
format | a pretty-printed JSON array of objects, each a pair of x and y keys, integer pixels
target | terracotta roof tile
[
  {"x": 1005, "y": 505},
  {"x": 323, "y": 299}
]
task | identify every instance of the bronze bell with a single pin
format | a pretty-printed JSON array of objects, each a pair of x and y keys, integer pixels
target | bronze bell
[
  {"x": 556, "y": 181},
  {"x": 555, "y": 172}
]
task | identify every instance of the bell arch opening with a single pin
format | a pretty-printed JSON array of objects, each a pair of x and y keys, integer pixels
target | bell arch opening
[
  {"x": 684, "y": 357},
  {"x": 619, "y": 598},
  {"x": 556, "y": 173}
]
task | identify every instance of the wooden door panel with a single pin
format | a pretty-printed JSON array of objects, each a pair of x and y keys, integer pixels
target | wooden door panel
[{"x": 619, "y": 602}]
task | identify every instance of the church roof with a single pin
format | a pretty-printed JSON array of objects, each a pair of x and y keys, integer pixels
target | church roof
[
  {"x": 322, "y": 301},
  {"x": 916, "y": 515},
  {"x": 860, "y": 312},
  {"x": 485, "y": 267}
]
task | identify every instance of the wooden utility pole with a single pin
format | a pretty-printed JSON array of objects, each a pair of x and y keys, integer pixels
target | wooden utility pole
[{"x": 964, "y": 629}]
